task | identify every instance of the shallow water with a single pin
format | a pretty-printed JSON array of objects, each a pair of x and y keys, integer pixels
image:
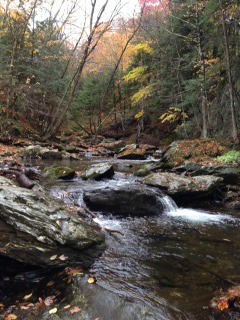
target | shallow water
[{"x": 172, "y": 262}]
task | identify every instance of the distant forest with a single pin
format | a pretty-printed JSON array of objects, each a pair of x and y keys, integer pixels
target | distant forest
[{"x": 171, "y": 70}]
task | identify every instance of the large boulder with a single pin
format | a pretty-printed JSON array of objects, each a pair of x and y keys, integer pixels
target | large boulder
[
  {"x": 37, "y": 230},
  {"x": 197, "y": 150},
  {"x": 127, "y": 199},
  {"x": 98, "y": 171},
  {"x": 182, "y": 187}
]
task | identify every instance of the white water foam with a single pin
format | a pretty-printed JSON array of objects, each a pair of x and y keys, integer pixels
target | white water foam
[{"x": 197, "y": 216}]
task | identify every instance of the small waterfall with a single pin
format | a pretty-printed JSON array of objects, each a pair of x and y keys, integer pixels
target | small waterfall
[
  {"x": 167, "y": 202},
  {"x": 169, "y": 205}
]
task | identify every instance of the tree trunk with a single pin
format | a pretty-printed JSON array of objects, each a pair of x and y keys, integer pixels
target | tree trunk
[{"x": 229, "y": 75}]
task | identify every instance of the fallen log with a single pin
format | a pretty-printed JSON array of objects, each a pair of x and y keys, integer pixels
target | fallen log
[{"x": 21, "y": 178}]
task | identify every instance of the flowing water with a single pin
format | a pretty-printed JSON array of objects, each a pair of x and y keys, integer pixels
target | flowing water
[{"x": 170, "y": 263}]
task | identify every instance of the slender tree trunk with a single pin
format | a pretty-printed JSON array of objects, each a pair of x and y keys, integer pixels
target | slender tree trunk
[{"x": 229, "y": 75}]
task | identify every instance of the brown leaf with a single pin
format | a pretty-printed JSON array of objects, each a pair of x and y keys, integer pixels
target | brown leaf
[
  {"x": 1, "y": 305},
  {"x": 24, "y": 307},
  {"x": 11, "y": 317},
  {"x": 74, "y": 310},
  {"x": 58, "y": 223},
  {"x": 27, "y": 297},
  {"x": 50, "y": 283},
  {"x": 222, "y": 305},
  {"x": 75, "y": 271},
  {"x": 67, "y": 307}
]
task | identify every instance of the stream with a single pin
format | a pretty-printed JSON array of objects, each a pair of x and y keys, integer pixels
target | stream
[{"x": 170, "y": 263}]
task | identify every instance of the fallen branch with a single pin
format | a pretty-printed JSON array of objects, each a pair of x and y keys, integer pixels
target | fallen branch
[
  {"x": 21, "y": 178},
  {"x": 112, "y": 231},
  {"x": 90, "y": 212}
]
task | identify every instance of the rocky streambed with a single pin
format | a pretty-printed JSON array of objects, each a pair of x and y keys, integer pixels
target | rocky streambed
[{"x": 164, "y": 261}]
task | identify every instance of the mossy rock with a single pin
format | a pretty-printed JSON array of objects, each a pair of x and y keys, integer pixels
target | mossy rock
[{"x": 63, "y": 173}]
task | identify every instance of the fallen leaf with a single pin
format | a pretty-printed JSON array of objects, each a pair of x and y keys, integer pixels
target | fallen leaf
[
  {"x": 69, "y": 281},
  {"x": 53, "y": 311},
  {"x": 24, "y": 307},
  {"x": 27, "y": 297},
  {"x": 67, "y": 307},
  {"x": 75, "y": 271},
  {"x": 91, "y": 280},
  {"x": 1, "y": 305},
  {"x": 11, "y": 317},
  {"x": 49, "y": 300},
  {"x": 74, "y": 310},
  {"x": 58, "y": 223},
  {"x": 53, "y": 257},
  {"x": 62, "y": 257},
  {"x": 50, "y": 283},
  {"x": 222, "y": 305}
]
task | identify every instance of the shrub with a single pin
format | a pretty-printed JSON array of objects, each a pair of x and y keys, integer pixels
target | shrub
[{"x": 232, "y": 156}]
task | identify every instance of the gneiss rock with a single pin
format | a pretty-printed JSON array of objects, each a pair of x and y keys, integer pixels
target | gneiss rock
[
  {"x": 98, "y": 171},
  {"x": 134, "y": 199},
  {"x": 181, "y": 186},
  {"x": 36, "y": 230}
]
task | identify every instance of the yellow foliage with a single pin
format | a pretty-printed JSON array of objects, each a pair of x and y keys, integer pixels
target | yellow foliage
[
  {"x": 142, "y": 47},
  {"x": 139, "y": 115},
  {"x": 172, "y": 115},
  {"x": 142, "y": 94},
  {"x": 135, "y": 74}
]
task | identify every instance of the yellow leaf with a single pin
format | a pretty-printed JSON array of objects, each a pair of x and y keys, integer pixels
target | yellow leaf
[
  {"x": 53, "y": 311},
  {"x": 53, "y": 257},
  {"x": 91, "y": 280}
]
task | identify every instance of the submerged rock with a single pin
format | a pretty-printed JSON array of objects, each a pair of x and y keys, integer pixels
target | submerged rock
[
  {"x": 126, "y": 199},
  {"x": 182, "y": 186},
  {"x": 55, "y": 172},
  {"x": 98, "y": 171},
  {"x": 37, "y": 230}
]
